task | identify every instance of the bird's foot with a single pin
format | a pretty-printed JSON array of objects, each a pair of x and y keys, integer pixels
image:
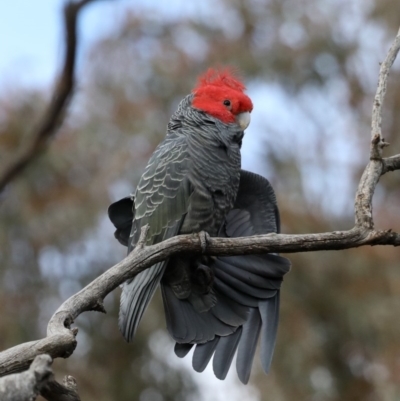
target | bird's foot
[
  {"x": 204, "y": 238},
  {"x": 203, "y": 278}
]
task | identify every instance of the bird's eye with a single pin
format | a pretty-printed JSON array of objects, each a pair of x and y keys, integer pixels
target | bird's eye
[{"x": 227, "y": 102}]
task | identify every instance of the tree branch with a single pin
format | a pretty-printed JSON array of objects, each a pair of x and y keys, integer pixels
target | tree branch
[
  {"x": 55, "y": 113},
  {"x": 61, "y": 341},
  {"x": 377, "y": 141},
  {"x": 54, "y": 391},
  {"x": 37, "y": 379},
  {"x": 26, "y": 386}
]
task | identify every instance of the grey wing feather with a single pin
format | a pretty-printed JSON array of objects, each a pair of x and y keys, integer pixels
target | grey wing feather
[
  {"x": 231, "y": 313},
  {"x": 203, "y": 353},
  {"x": 181, "y": 350},
  {"x": 248, "y": 345},
  {"x": 135, "y": 297},
  {"x": 257, "y": 196},
  {"x": 269, "y": 311},
  {"x": 186, "y": 325},
  {"x": 234, "y": 295},
  {"x": 267, "y": 266},
  {"x": 249, "y": 281},
  {"x": 245, "y": 276},
  {"x": 225, "y": 352},
  {"x": 161, "y": 201}
]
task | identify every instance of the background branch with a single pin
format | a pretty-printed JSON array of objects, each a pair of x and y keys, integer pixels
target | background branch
[{"x": 55, "y": 113}]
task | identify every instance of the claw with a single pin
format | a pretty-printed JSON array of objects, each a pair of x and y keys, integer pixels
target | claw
[{"x": 204, "y": 237}]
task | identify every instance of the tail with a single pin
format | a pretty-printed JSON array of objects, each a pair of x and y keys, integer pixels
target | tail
[{"x": 135, "y": 297}]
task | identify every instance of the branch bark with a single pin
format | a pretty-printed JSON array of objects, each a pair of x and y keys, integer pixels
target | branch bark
[
  {"x": 37, "y": 379},
  {"x": 55, "y": 112},
  {"x": 54, "y": 391},
  {"x": 26, "y": 385},
  {"x": 377, "y": 141}
]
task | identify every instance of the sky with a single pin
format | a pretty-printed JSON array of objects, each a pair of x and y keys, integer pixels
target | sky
[
  {"x": 31, "y": 37},
  {"x": 31, "y": 32}
]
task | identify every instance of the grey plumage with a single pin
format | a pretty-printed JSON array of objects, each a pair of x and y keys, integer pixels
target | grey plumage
[
  {"x": 238, "y": 310},
  {"x": 193, "y": 182},
  {"x": 179, "y": 192}
]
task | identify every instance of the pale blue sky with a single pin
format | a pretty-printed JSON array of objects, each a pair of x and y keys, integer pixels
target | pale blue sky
[
  {"x": 31, "y": 32},
  {"x": 31, "y": 37}
]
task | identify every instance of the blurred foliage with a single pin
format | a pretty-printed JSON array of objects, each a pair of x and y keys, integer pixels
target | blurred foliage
[{"x": 314, "y": 63}]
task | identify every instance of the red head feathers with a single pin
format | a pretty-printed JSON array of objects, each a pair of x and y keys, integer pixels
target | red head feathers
[{"x": 220, "y": 94}]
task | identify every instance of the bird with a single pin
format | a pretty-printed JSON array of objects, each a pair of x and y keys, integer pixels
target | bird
[{"x": 194, "y": 183}]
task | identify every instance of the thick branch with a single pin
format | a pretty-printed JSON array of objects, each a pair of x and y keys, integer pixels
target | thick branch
[
  {"x": 61, "y": 340},
  {"x": 26, "y": 385},
  {"x": 55, "y": 113},
  {"x": 37, "y": 379}
]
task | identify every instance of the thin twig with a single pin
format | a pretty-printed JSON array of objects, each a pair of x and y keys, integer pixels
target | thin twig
[
  {"x": 377, "y": 141},
  {"x": 55, "y": 112}
]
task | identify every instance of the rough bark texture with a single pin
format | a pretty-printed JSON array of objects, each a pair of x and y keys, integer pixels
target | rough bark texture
[
  {"x": 26, "y": 386},
  {"x": 38, "y": 379},
  {"x": 54, "y": 391}
]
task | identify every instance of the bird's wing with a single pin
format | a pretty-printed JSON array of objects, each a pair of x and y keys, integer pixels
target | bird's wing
[
  {"x": 121, "y": 215},
  {"x": 161, "y": 201},
  {"x": 247, "y": 288},
  {"x": 248, "y": 283}
]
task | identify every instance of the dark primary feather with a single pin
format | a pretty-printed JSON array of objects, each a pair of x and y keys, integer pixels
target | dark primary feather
[
  {"x": 269, "y": 311},
  {"x": 257, "y": 201},
  {"x": 246, "y": 288},
  {"x": 121, "y": 215},
  {"x": 247, "y": 345},
  {"x": 249, "y": 281},
  {"x": 225, "y": 352}
]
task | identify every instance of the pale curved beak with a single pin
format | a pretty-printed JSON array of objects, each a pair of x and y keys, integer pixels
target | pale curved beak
[{"x": 243, "y": 120}]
